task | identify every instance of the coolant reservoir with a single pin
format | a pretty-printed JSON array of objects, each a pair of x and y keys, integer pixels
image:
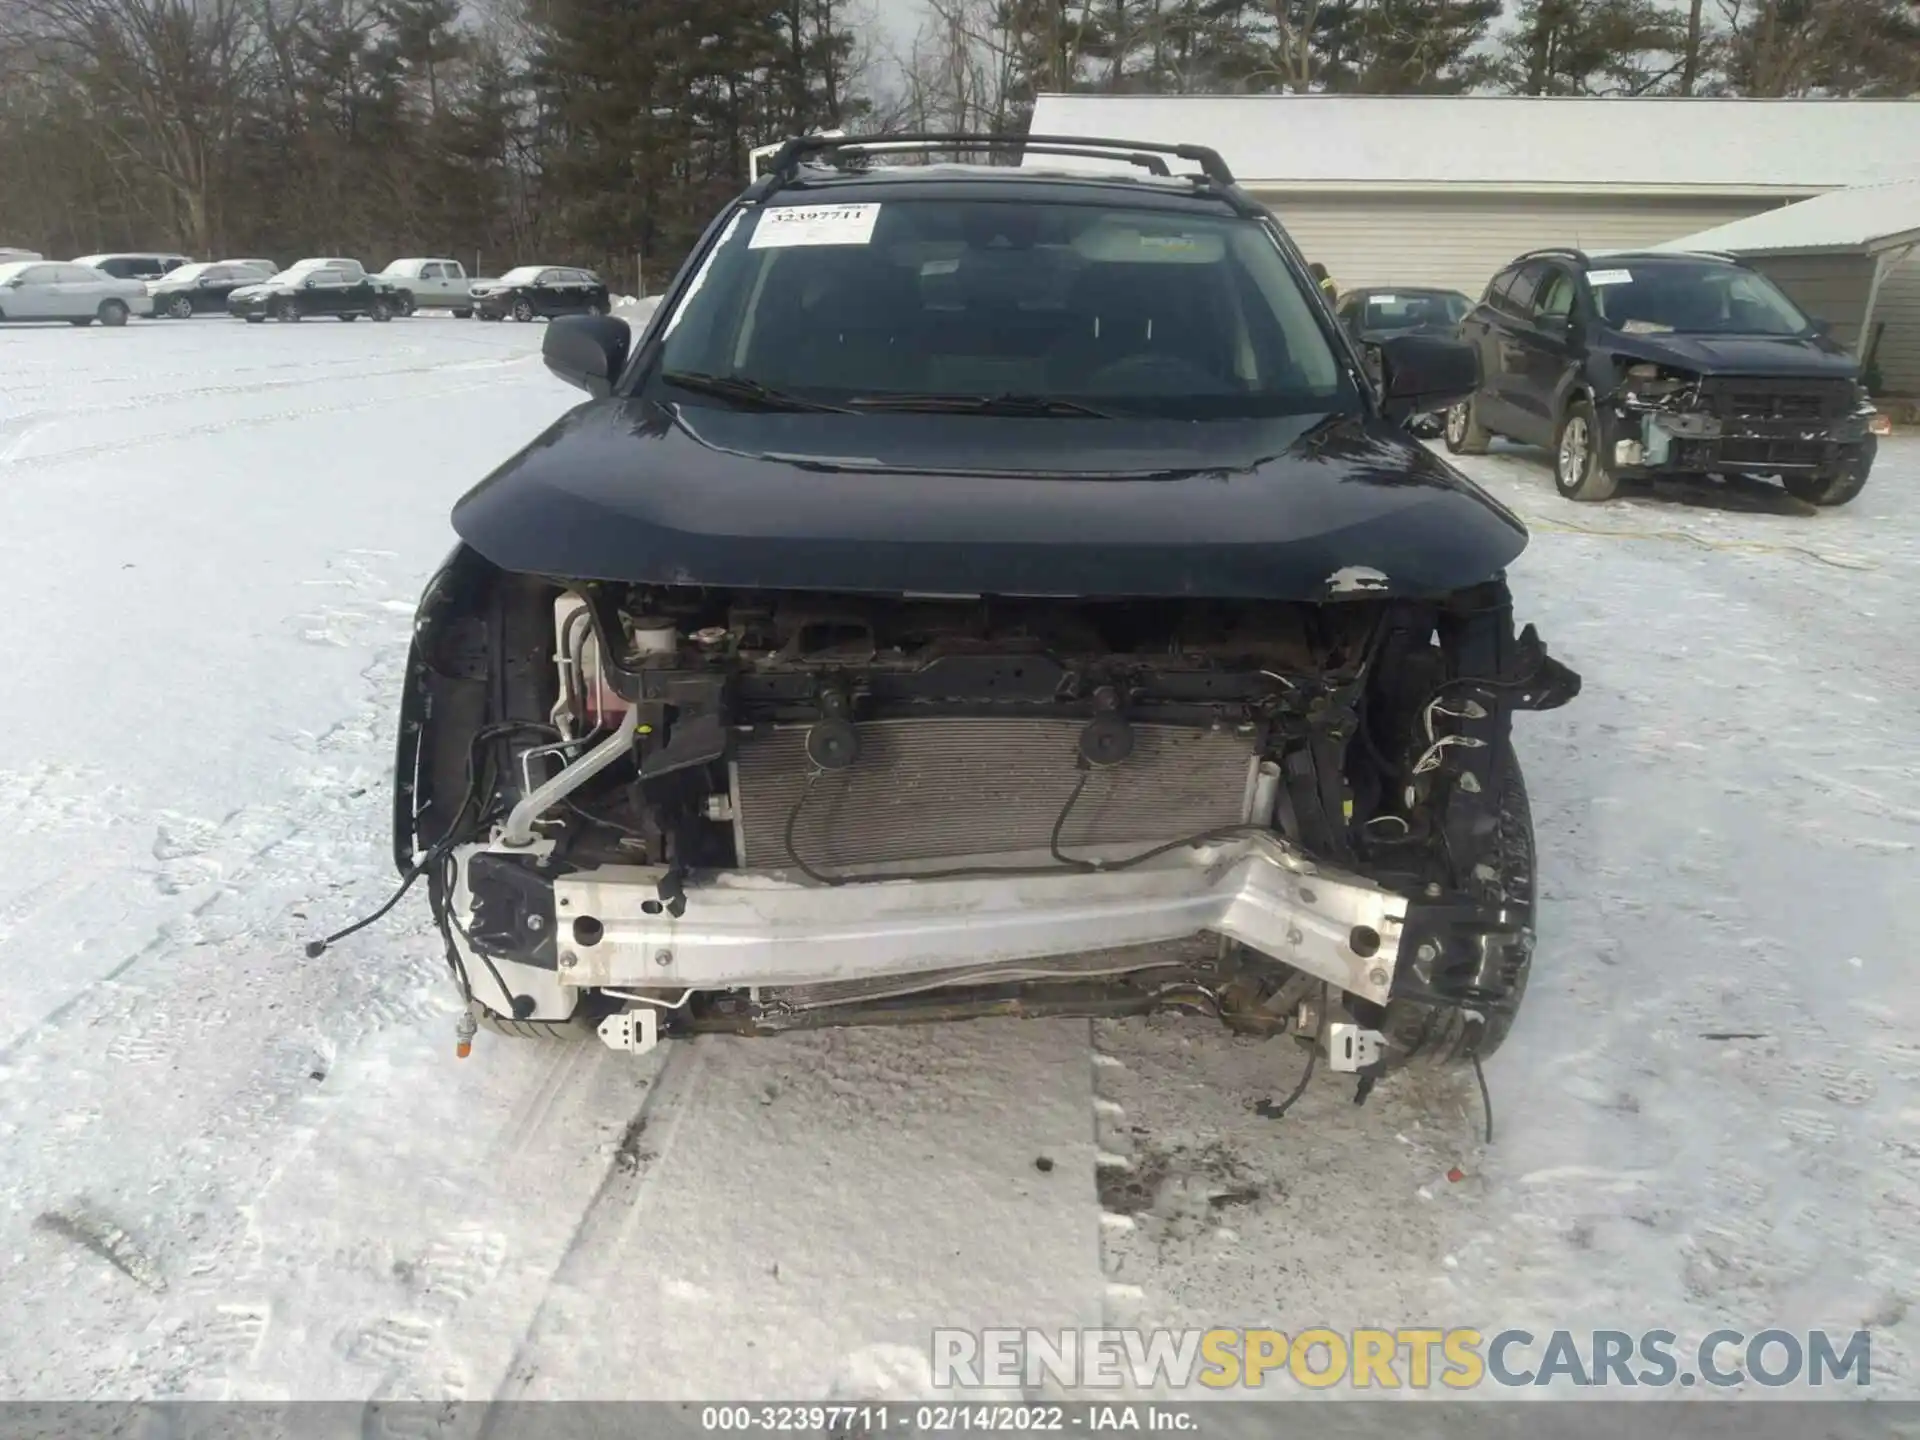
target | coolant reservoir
[{"x": 652, "y": 635}]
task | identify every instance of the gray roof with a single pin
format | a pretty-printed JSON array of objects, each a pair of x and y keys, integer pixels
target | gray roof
[
  {"x": 1516, "y": 142},
  {"x": 1866, "y": 220}
]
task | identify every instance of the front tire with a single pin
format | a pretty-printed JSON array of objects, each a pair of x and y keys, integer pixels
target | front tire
[
  {"x": 288, "y": 310},
  {"x": 180, "y": 308},
  {"x": 1834, "y": 487},
  {"x": 114, "y": 312},
  {"x": 1441, "y": 1036},
  {"x": 1464, "y": 433},
  {"x": 382, "y": 311},
  {"x": 255, "y": 319},
  {"x": 1580, "y": 468},
  {"x": 572, "y": 1030},
  {"x": 523, "y": 311}
]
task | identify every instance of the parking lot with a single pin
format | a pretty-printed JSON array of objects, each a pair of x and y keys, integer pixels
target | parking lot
[{"x": 213, "y": 538}]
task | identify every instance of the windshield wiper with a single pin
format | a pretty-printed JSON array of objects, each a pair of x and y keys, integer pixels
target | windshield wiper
[
  {"x": 982, "y": 405},
  {"x": 742, "y": 391}
]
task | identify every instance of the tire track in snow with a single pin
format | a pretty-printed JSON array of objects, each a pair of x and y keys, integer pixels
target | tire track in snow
[
  {"x": 357, "y": 404},
  {"x": 800, "y": 1211},
  {"x": 169, "y": 399},
  {"x": 166, "y": 1023},
  {"x": 183, "y": 870},
  {"x": 599, "y": 1232}
]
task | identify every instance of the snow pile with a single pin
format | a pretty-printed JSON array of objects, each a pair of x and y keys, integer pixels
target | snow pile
[{"x": 635, "y": 310}]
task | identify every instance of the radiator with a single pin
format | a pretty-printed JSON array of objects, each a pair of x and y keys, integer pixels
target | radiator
[{"x": 931, "y": 788}]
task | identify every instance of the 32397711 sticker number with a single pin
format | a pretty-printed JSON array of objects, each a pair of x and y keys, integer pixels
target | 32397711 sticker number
[{"x": 812, "y": 1420}]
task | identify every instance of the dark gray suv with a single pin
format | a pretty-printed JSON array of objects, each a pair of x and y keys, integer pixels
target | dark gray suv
[{"x": 1663, "y": 363}]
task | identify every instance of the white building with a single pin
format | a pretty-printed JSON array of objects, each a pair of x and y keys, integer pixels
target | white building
[{"x": 1444, "y": 190}]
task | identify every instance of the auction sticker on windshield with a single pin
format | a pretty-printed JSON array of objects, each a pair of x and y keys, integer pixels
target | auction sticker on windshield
[
  {"x": 814, "y": 225},
  {"x": 1609, "y": 277}
]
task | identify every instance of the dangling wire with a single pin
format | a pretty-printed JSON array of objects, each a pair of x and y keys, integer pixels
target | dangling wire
[
  {"x": 1486, "y": 1099},
  {"x": 444, "y": 846},
  {"x": 317, "y": 948},
  {"x": 1271, "y": 1111}
]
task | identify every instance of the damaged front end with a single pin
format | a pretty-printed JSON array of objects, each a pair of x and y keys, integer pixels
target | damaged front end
[
  {"x": 660, "y": 809},
  {"x": 1665, "y": 420}
]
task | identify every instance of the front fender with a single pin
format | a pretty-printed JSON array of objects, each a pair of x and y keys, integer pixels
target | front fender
[{"x": 435, "y": 698}]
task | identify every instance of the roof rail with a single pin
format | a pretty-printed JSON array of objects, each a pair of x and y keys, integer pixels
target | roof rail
[
  {"x": 1563, "y": 252},
  {"x": 785, "y": 165},
  {"x": 1725, "y": 255},
  {"x": 1152, "y": 164}
]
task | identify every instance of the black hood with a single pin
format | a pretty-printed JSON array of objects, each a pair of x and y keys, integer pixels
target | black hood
[
  {"x": 1794, "y": 356},
  {"x": 1298, "y": 508}
]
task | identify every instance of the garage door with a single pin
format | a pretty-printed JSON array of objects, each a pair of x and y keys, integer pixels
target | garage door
[{"x": 1461, "y": 241}]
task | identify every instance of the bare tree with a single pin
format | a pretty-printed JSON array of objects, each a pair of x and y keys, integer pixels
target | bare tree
[
  {"x": 166, "y": 82},
  {"x": 961, "y": 72}
]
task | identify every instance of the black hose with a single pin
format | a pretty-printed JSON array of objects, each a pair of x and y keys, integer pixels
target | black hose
[{"x": 1060, "y": 824}]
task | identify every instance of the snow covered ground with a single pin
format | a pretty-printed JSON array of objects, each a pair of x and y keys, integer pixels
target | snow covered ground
[{"x": 229, "y": 1170}]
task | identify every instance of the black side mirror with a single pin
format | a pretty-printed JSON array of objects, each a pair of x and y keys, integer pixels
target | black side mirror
[
  {"x": 587, "y": 351},
  {"x": 1427, "y": 372},
  {"x": 1819, "y": 326}
]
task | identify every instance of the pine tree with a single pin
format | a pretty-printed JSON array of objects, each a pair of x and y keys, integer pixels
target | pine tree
[{"x": 1593, "y": 47}]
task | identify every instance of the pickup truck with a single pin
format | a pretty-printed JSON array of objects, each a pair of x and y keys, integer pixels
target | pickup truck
[{"x": 427, "y": 283}]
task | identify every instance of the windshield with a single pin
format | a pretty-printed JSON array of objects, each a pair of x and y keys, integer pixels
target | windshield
[
  {"x": 1115, "y": 310},
  {"x": 300, "y": 270},
  {"x": 1414, "y": 310},
  {"x": 189, "y": 272},
  {"x": 1693, "y": 298},
  {"x": 15, "y": 269},
  {"x": 525, "y": 275}
]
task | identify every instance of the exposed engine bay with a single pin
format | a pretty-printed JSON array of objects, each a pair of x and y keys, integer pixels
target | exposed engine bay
[
  {"x": 656, "y": 808},
  {"x": 1674, "y": 420}
]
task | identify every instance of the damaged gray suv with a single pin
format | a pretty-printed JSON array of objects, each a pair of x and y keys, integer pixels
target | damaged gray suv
[{"x": 981, "y": 591}]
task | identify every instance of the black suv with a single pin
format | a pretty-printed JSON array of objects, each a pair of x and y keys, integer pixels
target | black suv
[
  {"x": 1379, "y": 313},
  {"x": 1662, "y": 363},
  {"x": 981, "y": 590}
]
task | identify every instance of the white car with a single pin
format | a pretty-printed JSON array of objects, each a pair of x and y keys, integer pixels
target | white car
[
  {"x": 8, "y": 255},
  {"x": 431, "y": 284},
  {"x": 62, "y": 290},
  {"x": 135, "y": 264}
]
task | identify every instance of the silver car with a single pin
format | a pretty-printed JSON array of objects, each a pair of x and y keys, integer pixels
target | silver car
[{"x": 62, "y": 290}]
